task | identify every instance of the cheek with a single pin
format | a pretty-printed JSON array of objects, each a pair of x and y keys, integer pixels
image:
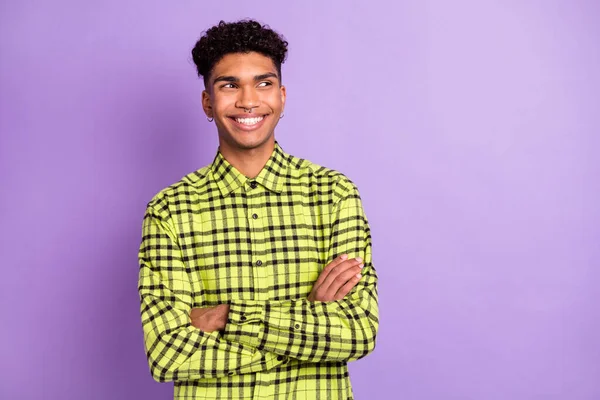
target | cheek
[
  {"x": 274, "y": 101},
  {"x": 221, "y": 104}
]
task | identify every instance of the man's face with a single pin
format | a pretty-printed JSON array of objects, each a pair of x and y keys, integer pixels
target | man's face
[{"x": 245, "y": 98}]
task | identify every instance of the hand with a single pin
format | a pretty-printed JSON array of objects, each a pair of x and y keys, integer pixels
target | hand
[
  {"x": 337, "y": 279},
  {"x": 210, "y": 319}
]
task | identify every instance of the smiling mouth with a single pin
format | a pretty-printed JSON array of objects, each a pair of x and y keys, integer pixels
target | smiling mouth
[{"x": 249, "y": 121}]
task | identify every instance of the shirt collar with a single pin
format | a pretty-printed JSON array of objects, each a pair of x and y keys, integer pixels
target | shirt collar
[{"x": 271, "y": 176}]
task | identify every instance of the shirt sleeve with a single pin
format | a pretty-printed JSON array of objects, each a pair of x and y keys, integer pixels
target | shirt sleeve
[
  {"x": 343, "y": 330},
  {"x": 176, "y": 350}
]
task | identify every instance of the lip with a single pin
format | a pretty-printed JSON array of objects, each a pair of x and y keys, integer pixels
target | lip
[{"x": 248, "y": 128}]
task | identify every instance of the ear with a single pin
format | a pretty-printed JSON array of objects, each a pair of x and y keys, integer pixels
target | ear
[
  {"x": 206, "y": 104},
  {"x": 282, "y": 90}
]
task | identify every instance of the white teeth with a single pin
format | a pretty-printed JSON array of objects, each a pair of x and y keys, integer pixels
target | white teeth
[{"x": 249, "y": 121}]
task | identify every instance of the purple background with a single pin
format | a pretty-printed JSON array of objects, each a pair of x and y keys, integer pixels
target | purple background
[{"x": 471, "y": 128}]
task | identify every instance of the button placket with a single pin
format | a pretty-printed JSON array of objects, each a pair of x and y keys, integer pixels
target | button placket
[{"x": 255, "y": 198}]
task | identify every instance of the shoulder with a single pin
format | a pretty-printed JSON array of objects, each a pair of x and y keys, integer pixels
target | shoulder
[
  {"x": 178, "y": 192},
  {"x": 323, "y": 178}
]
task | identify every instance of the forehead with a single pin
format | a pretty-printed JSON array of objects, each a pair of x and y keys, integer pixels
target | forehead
[{"x": 243, "y": 65}]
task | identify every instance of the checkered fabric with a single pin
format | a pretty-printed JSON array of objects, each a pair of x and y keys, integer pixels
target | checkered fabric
[{"x": 258, "y": 245}]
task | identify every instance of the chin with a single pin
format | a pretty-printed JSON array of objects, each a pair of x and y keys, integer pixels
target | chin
[
  {"x": 243, "y": 138},
  {"x": 248, "y": 143}
]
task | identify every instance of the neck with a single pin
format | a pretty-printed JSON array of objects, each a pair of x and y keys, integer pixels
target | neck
[{"x": 248, "y": 161}]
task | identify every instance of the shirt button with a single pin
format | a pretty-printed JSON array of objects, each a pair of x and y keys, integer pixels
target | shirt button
[
  {"x": 280, "y": 358},
  {"x": 253, "y": 185},
  {"x": 259, "y": 263},
  {"x": 297, "y": 326},
  {"x": 255, "y": 216},
  {"x": 242, "y": 318}
]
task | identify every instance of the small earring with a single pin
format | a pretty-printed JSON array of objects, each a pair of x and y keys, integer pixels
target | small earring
[
  {"x": 281, "y": 116},
  {"x": 210, "y": 119}
]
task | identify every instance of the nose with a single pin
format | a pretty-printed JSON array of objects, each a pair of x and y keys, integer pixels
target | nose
[{"x": 248, "y": 99}]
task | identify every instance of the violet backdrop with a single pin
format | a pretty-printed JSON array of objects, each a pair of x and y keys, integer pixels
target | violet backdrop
[{"x": 470, "y": 127}]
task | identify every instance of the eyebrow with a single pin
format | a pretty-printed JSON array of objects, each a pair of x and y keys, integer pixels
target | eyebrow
[{"x": 235, "y": 79}]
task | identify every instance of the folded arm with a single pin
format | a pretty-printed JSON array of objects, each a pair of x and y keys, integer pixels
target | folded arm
[
  {"x": 341, "y": 330},
  {"x": 177, "y": 350}
]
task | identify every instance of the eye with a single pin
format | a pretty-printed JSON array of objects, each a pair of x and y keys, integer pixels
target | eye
[
  {"x": 228, "y": 86},
  {"x": 265, "y": 84}
]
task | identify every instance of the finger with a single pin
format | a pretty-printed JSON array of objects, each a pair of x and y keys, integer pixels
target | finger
[
  {"x": 342, "y": 279},
  {"x": 329, "y": 267},
  {"x": 344, "y": 290},
  {"x": 340, "y": 269}
]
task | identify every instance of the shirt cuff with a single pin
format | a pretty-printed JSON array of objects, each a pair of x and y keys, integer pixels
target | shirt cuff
[{"x": 245, "y": 323}]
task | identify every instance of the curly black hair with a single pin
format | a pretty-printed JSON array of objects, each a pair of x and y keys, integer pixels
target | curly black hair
[{"x": 237, "y": 37}]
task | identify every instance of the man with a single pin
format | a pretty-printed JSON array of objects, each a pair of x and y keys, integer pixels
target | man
[{"x": 256, "y": 278}]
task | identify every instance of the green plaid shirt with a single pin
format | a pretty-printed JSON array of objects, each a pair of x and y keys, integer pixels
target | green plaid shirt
[{"x": 258, "y": 245}]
